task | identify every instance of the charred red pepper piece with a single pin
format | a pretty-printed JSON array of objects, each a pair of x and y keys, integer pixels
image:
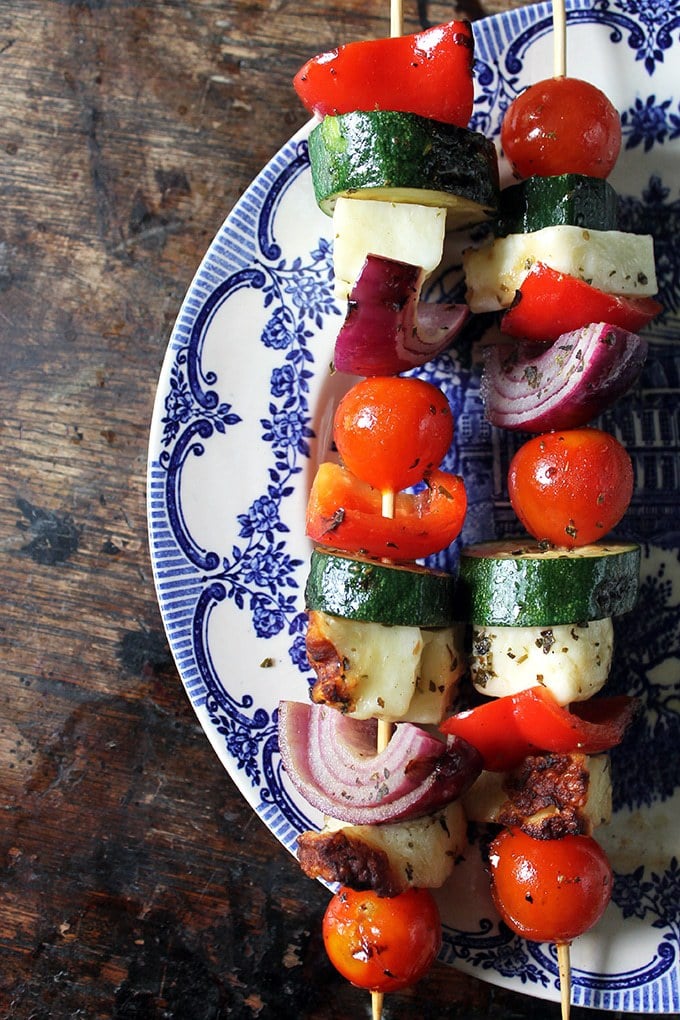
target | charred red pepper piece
[
  {"x": 345, "y": 513},
  {"x": 506, "y": 730},
  {"x": 428, "y": 73},
  {"x": 550, "y": 303}
]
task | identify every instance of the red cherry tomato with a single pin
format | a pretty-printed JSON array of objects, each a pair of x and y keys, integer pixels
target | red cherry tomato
[
  {"x": 382, "y": 943},
  {"x": 346, "y": 513},
  {"x": 430, "y": 74},
  {"x": 550, "y": 303},
  {"x": 570, "y": 488},
  {"x": 391, "y": 432},
  {"x": 559, "y": 126},
  {"x": 549, "y": 890}
]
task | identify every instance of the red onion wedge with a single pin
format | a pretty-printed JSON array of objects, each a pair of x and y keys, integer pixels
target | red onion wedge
[
  {"x": 536, "y": 389},
  {"x": 332, "y": 761},
  {"x": 388, "y": 329}
]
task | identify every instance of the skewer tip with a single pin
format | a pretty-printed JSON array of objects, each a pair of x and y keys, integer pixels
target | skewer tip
[
  {"x": 559, "y": 39},
  {"x": 564, "y": 969},
  {"x": 396, "y": 17}
]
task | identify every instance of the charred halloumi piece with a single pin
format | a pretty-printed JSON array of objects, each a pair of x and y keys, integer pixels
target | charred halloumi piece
[
  {"x": 548, "y": 796},
  {"x": 387, "y": 858},
  {"x": 369, "y": 670}
]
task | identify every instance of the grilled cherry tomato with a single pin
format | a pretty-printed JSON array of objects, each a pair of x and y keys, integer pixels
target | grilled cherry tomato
[
  {"x": 549, "y": 890},
  {"x": 506, "y": 730},
  {"x": 391, "y": 432},
  {"x": 561, "y": 125},
  {"x": 382, "y": 943},
  {"x": 570, "y": 488},
  {"x": 345, "y": 513},
  {"x": 430, "y": 74},
  {"x": 550, "y": 303}
]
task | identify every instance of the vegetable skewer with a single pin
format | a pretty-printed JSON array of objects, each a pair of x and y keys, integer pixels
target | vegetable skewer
[
  {"x": 544, "y": 156},
  {"x": 328, "y": 526},
  {"x": 559, "y": 71}
]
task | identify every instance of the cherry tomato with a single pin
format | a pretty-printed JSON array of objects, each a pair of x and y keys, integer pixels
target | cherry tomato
[
  {"x": 506, "y": 730},
  {"x": 430, "y": 74},
  {"x": 570, "y": 488},
  {"x": 391, "y": 432},
  {"x": 346, "y": 513},
  {"x": 549, "y": 890},
  {"x": 550, "y": 303},
  {"x": 382, "y": 943},
  {"x": 561, "y": 125}
]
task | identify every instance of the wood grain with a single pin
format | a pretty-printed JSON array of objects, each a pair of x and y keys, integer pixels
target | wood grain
[{"x": 136, "y": 882}]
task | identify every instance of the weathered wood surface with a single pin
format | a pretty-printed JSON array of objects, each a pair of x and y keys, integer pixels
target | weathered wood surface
[{"x": 135, "y": 881}]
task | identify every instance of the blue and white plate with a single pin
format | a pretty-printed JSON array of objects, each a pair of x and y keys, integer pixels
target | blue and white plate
[{"x": 242, "y": 419}]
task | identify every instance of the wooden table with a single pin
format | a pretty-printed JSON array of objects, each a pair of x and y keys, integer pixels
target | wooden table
[{"x": 136, "y": 882}]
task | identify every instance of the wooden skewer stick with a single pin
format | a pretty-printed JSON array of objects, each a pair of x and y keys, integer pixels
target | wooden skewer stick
[
  {"x": 559, "y": 39},
  {"x": 387, "y": 508},
  {"x": 559, "y": 71},
  {"x": 384, "y": 734},
  {"x": 564, "y": 968},
  {"x": 384, "y": 725},
  {"x": 396, "y": 17}
]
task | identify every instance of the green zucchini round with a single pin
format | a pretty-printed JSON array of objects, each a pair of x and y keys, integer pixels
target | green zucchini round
[
  {"x": 565, "y": 199},
  {"x": 358, "y": 588},
  {"x": 523, "y": 584},
  {"x": 401, "y": 157}
]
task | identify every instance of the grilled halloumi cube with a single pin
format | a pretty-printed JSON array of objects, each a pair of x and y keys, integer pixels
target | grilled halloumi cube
[
  {"x": 572, "y": 660},
  {"x": 614, "y": 261},
  {"x": 396, "y": 230},
  {"x": 390, "y": 857},
  {"x": 548, "y": 796},
  {"x": 369, "y": 670}
]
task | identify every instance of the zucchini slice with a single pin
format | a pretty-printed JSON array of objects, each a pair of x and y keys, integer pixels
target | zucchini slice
[
  {"x": 523, "y": 584},
  {"x": 401, "y": 157},
  {"x": 567, "y": 199},
  {"x": 360, "y": 588}
]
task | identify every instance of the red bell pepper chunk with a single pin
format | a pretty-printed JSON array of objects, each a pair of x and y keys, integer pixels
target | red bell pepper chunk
[
  {"x": 493, "y": 728},
  {"x": 346, "y": 513},
  {"x": 508, "y": 729},
  {"x": 550, "y": 303},
  {"x": 428, "y": 73}
]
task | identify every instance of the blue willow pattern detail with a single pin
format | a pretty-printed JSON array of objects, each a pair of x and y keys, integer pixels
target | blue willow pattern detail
[
  {"x": 657, "y": 214},
  {"x": 649, "y": 122},
  {"x": 258, "y": 574},
  {"x": 658, "y": 896},
  {"x": 498, "y": 950}
]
